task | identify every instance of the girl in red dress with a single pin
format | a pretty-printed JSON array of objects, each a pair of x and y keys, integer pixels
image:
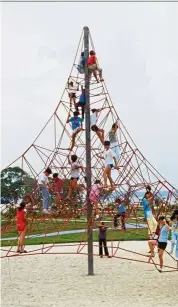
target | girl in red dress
[{"x": 21, "y": 223}]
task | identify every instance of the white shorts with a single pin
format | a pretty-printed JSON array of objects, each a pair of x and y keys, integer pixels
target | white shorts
[
  {"x": 75, "y": 130},
  {"x": 115, "y": 147}
]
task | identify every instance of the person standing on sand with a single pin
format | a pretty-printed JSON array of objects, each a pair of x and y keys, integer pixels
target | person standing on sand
[
  {"x": 21, "y": 223},
  {"x": 102, "y": 240}
]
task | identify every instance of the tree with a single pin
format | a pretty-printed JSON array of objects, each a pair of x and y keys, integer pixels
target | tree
[{"x": 15, "y": 182}]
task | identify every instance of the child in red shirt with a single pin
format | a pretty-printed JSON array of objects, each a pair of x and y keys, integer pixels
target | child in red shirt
[
  {"x": 58, "y": 185},
  {"x": 21, "y": 223},
  {"x": 93, "y": 66}
]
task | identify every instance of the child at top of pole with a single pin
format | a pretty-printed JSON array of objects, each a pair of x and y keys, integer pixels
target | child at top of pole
[
  {"x": 21, "y": 223},
  {"x": 81, "y": 64},
  {"x": 147, "y": 207},
  {"x": 110, "y": 163},
  {"x": 121, "y": 212},
  {"x": 174, "y": 239},
  {"x": 113, "y": 138},
  {"x": 72, "y": 90},
  {"x": 75, "y": 174},
  {"x": 93, "y": 66},
  {"x": 93, "y": 124},
  {"x": 81, "y": 103},
  {"x": 76, "y": 122},
  {"x": 161, "y": 242},
  {"x": 94, "y": 196}
]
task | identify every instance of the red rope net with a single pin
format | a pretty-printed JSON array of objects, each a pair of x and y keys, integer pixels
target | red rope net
[{"x": 50, "y": 149}]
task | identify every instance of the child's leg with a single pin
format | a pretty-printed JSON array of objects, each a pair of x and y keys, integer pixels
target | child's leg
[
  {"x": 116, "y": 220},
  {"x": 173, "y": 240},
  {"x": 74, "y": 137},
  {"x": 70, "y": 188},
  {"x": 109, "y": 176},
  {"x": 100, "y": 134},
  {"x": 105, "y": 248},
  {"x": 105, "y": 176},
  {"x": 96, "y": 208},
  {"x": 123, "y": 221},
  {"x": 95, "y": 75},
  {"x": 18, "y": 246},
  {"x": 22, "y": 238},
  {"x": 151, "y": 244},
  {"x": 160, "y": 253},
  {"x": 100, "y": 247},
  {"x": 100, "y": 74},
  {"x": 70, "y": 97}
]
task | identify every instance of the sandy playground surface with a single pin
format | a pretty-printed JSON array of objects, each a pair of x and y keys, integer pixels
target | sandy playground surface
[{"x": 61, "y": 280}]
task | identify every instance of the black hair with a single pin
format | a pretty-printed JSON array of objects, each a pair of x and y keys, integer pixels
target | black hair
[
  {"x": 162, "y": 217},
  {"x": 55, "y": 175},
  {"x": 76, "y": 113},
  {"x": 82, "y": 54},
  {"x": 71, "y": 83},
  {"x": 92, "y": 52},
  {"x": 97, "y": 181},
  {"x": 21, "y": 206},
  {"x": 48, "y": 170},
  {"x": 93, "y": 110},
  {"x": 114, "y": 125},
  {"x": 148, "y": 188},
  {"x": 74, "y": 158},
  {"x": 102, "y": 223},
  {"x": 174, "y": 214},
  {"x": 117, "y": 200},
  {"x": 106, "y": 143}
]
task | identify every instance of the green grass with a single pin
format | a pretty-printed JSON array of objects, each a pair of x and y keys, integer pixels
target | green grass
[{"x": 115, "y": 235}]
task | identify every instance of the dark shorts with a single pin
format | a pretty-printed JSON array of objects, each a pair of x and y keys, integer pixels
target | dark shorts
[
  {"x": 72, "y": 178},
  {"x": 162, "y": 245},
  {"x": 94, "y": 128},
  {"x": 21, "y": 227},
  {"x": 122, "y": 214},
  {"x": 73, "y": 95},
  {"x": 80, "y": 104},
  {"x": 111, "y": 166}
]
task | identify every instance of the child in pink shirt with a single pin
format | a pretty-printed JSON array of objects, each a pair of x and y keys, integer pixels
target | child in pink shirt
[{"x": 94, "y": 196}]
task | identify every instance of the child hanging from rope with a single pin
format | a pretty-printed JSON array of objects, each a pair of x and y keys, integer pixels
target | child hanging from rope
[
  {"x": 21, "y": 223},
  {"x": 93, "y": 66},
  {"x": 114, "y": 143},
  {"x": 161, "y": 242},
  {"x": 102, "y": 240},
  {"x": 58, "y": 185},
  {"x": 121, "y": 212},
  {"x": 72, "y": 89},
  {"x": 81, "y": 102},
  {"x": 110, "y": 160},
  {"x": 174, "y": 239},
  {"x": 75, "y": 173},
  {"x": 81, "y": 64},
  {"x": 94, "y": 127},
  {"x": 76, "y": 122},
  {"x": 94, "y": 196}
]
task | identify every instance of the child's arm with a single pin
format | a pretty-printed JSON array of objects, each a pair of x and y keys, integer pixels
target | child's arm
[
  {"x": 116, "y": 164},
  {"x": 167, "y": 226},
  {"x": 68, "y": 119},
  {"x": 69, "y": 159},
  {"x": 101, "y": 157}
]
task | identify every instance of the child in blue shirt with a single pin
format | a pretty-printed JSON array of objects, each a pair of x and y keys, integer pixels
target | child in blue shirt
[
  {"x": 121, "y": 212},
  {"x": 162, "y": 240},
  {"x": 81, "y": 64},
  {"x": 81, "y": 103},
  {"x": 76, "y": 123},
  {"x": 151, "y": 221},
  {"x": 174, "y": 239}
]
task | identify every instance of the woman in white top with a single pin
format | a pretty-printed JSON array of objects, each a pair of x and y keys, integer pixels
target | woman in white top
[
  {"x": 93, "y": 125},
  {"x": 44, "y": 188},
  {"x": 72, "y": 89},
  {"x": 75, "y": 173},
  {"x": 114, "y": 144},
  {"x": 110, "y": 160}
]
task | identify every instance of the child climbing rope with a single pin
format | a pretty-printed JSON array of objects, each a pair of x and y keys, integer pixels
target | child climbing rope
[
  {"x": 76, "y": 122},
  {"x": 121, "y": 212},
  {"x": 75, "y": 173},
  {"x": 93, "y": 66},
  {"x": 94, "y": 127},
  {"x": 72, "y": 90},
  {"x": 21, "y": 223},
  {"x": 110, "y": 163},
  {"x": 94, "y": 196},
  {"x": 114, "y": 143},
  {"x": 102, "y": 240},
  {"x": 161, "y": 242},
  {"x": 81, "y": 64},
  {"x": 151, "y": 221},
  {"x": 57, "y": 186},
  {"x": 174, "y": 239},
  {"x": 81, "y": 103},
  {"x": 44, "y": 188}
]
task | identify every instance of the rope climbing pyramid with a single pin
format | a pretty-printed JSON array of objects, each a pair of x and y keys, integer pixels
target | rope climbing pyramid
[{"x": 56, "y": 147}]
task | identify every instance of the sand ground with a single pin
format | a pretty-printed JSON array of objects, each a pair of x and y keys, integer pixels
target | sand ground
[{"x": 61, "y": 280}]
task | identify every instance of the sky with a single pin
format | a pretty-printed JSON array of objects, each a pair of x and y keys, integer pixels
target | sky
[{"x": 137, "y": 47}]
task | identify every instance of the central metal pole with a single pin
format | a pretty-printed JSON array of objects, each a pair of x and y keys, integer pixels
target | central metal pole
[{"x": 88, "y": 153}]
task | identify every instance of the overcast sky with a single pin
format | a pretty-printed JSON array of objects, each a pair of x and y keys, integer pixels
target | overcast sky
[{"x": 137, "y": 46}]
